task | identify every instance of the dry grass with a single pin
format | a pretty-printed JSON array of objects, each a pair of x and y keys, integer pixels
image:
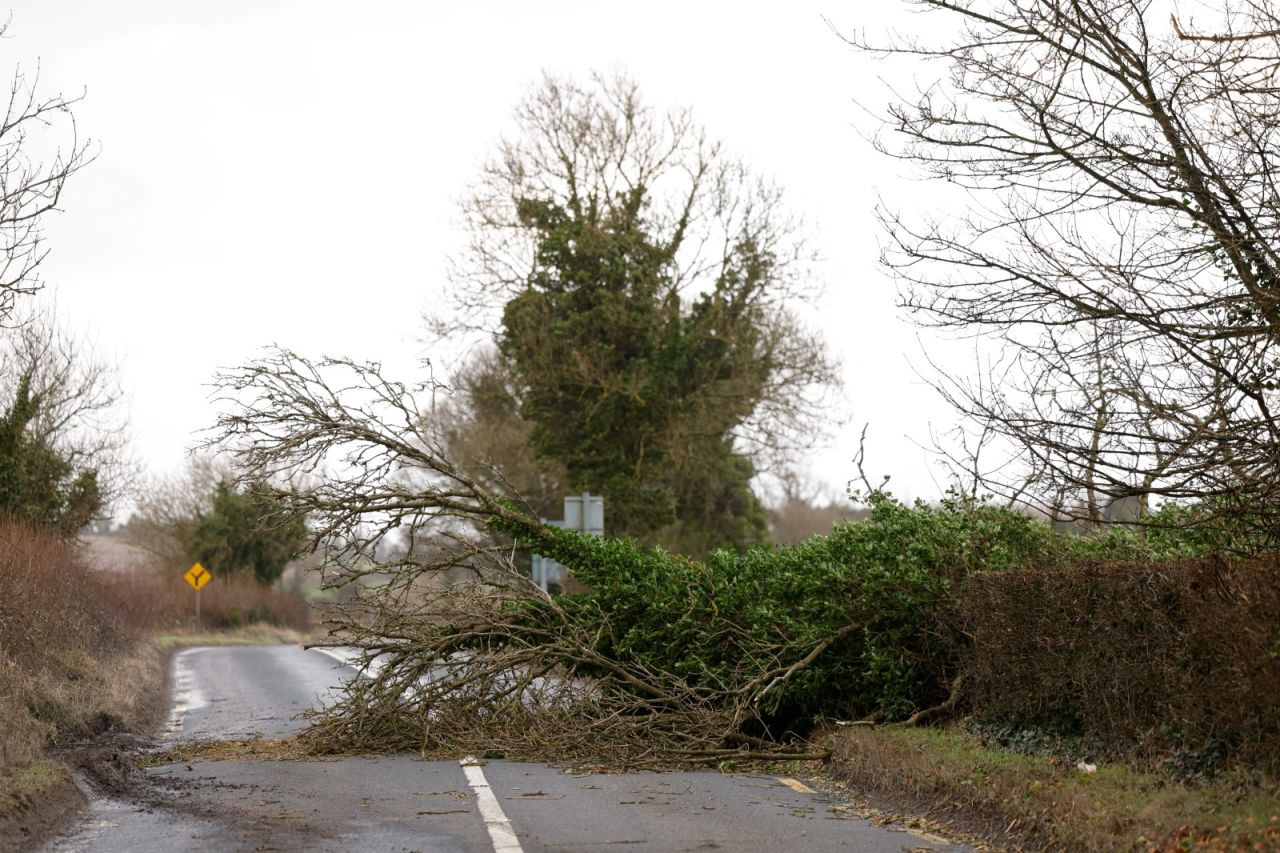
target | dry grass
[
  {"x": 79, "y": 695},
  {"x": 1043, "y": 803},
  {"x": 78, "y": 659},
  {"x": 75, "y": 660},
  {"x": 250, "y": 635},
  {"x": 26, "y": 785},
  {"x": 71, "y": 664}
]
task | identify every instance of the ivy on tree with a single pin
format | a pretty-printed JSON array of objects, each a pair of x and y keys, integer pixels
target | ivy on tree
[
  {"x": 634, "y": 392},
  {"x": 637, "y": 281},
  {"x": 38, "y": 484}
]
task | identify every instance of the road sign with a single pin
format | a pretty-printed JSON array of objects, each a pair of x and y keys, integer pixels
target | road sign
[
  {"x": 583, "y": 513},
  {"x": 197, "y": 576}
]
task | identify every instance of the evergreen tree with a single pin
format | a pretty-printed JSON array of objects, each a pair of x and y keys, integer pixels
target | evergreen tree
[
  {"x": 38, "y": 484},
  {"x": 245, "y": 532},
  {"x": 634, "y": 392}
]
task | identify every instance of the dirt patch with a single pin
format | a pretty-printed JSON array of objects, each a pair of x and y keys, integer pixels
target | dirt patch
[
  {"x": 35, "y": 802},
  {"x": 111, "y": 765}
]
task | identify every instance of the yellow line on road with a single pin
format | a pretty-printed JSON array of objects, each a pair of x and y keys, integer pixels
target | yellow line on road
[{"x": 795, "y": 785}]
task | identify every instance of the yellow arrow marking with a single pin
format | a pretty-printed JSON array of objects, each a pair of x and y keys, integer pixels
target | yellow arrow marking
[{"x": 197, "y": 576}]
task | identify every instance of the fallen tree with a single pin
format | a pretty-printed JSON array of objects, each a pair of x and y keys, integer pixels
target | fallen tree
[{"x": 664, "y": 660}]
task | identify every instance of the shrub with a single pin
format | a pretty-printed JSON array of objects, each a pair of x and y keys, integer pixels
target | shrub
[
  {"x": 165, "y": 603},
  {"x": 1179, "y": 660},
  {"x": 892, "y": 578},
  {"x": 68, "y": 664}
]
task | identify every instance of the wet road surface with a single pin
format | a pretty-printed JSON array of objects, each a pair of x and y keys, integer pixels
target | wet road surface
[{"x": 403, "y": 803}]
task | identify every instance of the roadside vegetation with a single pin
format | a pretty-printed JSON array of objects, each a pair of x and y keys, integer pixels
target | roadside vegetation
[
  {"x": 84, "y": 663},
  {"x": 77, "y": 654},
  {"x": 72, "y": 663},
  {"x": 1041, "y": 800},
  {"x": 1077, "y": 643},
  {"x": 1092, "y": 596}
]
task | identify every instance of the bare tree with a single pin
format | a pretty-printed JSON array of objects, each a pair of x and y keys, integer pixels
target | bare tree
[
  {"x": 169, "y": 510},
  {"x": 1119, "y": 243},
  {"x": 362, "y": 453},
  {"x": 491, "y": 660},
  {"x": 1250, "y": 21},
  {"x": 802, "y": 509},
  {"x": 481, "y": 426},
  {"x": 34, "y": 169}
]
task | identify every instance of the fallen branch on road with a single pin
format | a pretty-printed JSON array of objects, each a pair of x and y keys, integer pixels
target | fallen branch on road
[{"x": 664, "y": 660}]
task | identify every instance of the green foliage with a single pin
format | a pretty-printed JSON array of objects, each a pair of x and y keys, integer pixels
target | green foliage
[
  {"x": 38, "y": 484},
  {"x": 893, "y": 575},
  {"x": 245, "y": 532},
  {"x": 633, "y": 392},
  {"x": 1216, "y": 526}
]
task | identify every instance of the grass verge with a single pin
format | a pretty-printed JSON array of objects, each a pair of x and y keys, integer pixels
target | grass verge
[
  {"x": 35, "y": 801},
  {"x": 1032, "y": 802},
  {"x": 79, "y": 697},
  {"x": 250, "y": 635}
]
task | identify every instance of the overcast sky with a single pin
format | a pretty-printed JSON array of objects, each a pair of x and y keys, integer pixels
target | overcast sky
[{"x": 275, "y": 172}]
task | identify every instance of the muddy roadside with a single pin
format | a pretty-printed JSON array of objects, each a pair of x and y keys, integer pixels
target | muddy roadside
[
  {"x": 48, "y": 796},
  {"x": 42, "y": 798}
]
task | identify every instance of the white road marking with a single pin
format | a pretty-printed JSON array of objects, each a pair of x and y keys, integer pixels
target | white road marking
[
  {"x": 337, "y": 654},
  {"x": 500, "y": 831},
  {"x": 349, "y": 657},
  {"x": 186, "y": 695},
  {"x": 928, "y": 836}
]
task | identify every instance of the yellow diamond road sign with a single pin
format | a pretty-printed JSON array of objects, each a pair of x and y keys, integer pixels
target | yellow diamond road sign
[{"x": 198, "y": 576}]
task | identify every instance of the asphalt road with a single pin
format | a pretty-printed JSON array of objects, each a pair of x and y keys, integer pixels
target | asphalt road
[{"x": 404, "y": 803}]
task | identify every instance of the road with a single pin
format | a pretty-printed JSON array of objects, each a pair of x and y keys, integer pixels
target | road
[{"x": 404, "y": 803}]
